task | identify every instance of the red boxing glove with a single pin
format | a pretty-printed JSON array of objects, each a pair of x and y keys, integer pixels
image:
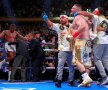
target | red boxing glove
[{"x": 75, "y": 34}]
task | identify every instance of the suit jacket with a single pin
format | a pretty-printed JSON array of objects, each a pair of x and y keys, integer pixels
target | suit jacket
[
  {"x": 21, "y": 48},
  {"x": 36, "y": 50}
]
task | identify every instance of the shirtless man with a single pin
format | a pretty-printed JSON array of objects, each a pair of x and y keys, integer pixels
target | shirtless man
[
  {"x": 100, "y": 47},
  {"x": 80, "y": 33},
  {"x": 10, "y": 36}
]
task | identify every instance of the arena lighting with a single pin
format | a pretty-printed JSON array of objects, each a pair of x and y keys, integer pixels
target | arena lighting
[
  {"x": 47, "y": 6},
  {"x": 7, "y": 7},
  {"x": 31, "y": 19}
]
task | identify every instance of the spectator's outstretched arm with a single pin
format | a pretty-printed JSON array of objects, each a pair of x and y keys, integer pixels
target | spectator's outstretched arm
[{"x": 46, "y": 19}]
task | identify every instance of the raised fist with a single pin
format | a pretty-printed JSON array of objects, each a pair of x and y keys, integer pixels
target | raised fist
[
  {"x": 75, "y": 14},
  {"x": 45, "y": 17}
]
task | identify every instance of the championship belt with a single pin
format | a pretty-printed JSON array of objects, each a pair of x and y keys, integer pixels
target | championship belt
[
  {"x": 104, "y": 24},
  {"x": 61, "y": 27},
  {"x": 71, "y": 41}
]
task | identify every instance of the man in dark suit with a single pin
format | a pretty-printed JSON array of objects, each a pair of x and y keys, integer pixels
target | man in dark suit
[
  {"x": 36, "y": 53},
  {"x": 22, "y": 55}
]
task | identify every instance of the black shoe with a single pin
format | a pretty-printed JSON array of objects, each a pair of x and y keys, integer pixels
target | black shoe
[
  {"x": 79, "y": 80},
  {"x": 35, "y": 80},
  {"x": 23, "y": 80},
  {"x": 11, "y": 81},
  {"x": 72, "y": 83},
  {"x": 104, "y": 81},
  {"x": 55, "y": 80},
  {"x": 58, "y": 83},
  {"x": 99, "y": 80}
]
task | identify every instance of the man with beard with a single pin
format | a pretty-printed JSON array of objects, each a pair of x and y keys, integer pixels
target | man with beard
[
  {"x": 37, "y": 54},
  {"x": 81, "y": 35},
  {"x": 65, "y": 47},
  {"x": 100, "y": 47}
]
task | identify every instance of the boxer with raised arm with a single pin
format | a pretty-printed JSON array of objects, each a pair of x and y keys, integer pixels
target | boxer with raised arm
[
  {"x": 81, "y": 35},
  {"x": 100, "y": 48}
]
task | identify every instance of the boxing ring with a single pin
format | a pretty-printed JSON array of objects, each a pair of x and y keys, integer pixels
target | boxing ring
[{"x": 45, "y": 85}]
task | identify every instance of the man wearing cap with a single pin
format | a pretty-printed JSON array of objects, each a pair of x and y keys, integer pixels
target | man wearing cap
[{"x": 65, "y": 47}]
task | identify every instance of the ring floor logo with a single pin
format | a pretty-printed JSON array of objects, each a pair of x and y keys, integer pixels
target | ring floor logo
[
  {"x": 106, "y": 86},
  {"x": 3, "y": 88}
]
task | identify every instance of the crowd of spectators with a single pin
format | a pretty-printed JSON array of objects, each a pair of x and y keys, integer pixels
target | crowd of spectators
[
  {"x": 30, "y": 9},
  {"x": 24, "y": 8}
]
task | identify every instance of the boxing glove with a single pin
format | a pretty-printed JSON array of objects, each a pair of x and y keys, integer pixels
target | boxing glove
[
  {"x": 75, "y": 14},
  {"x": 45, "y": 17}
]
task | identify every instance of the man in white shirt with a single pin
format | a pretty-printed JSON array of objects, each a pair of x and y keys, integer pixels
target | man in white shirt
[
  {"x": 100, "y": 49},
  {"x": 65, "y": 47}
]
